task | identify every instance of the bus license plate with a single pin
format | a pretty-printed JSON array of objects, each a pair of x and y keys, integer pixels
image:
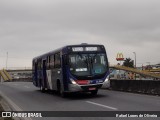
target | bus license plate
[{"x": 92, "y": 88}]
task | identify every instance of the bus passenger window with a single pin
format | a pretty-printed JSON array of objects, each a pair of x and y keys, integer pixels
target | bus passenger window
[
  {"x": 52, "y": 61},
  {"x": 39, "y": 64},
  {"x": 48, "y": 62},
  {"x": 57, "y": 60}
]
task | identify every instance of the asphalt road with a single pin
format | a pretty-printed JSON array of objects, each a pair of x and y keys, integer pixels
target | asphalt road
[{"x": 25, "y": 97}]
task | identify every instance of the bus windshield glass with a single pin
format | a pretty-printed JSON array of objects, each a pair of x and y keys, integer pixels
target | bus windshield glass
[{"x": 88, "y": 64}]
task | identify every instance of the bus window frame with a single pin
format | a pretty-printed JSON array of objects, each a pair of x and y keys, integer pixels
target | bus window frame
[
  {"x": 52, "y": 63},
  {"x": 39, "y": 64},
  {"x": 48, "y": 62},
  {"x": 57, "y": 64}
]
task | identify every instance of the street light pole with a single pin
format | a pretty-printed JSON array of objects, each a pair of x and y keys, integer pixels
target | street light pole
[
  {"x": 135, "y": 62},
  {"x": 6, "y": 60},
  {"x": 135, "y": 58}
]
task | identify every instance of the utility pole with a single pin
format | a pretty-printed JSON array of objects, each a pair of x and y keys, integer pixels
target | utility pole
[
  {"x": 6, "y": 60},
  {"x": 134, "y": 59},
  {"x": 135, "y": 62}
]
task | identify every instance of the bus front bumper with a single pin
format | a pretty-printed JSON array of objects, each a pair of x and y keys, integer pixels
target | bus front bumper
[{"x": 85, "y": 88}]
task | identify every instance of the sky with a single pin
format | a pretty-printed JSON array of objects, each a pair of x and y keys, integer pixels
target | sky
[{"x": 29, "y": 28}]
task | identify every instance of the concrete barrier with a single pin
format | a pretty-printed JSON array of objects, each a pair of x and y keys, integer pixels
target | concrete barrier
[{"x": 136, "y": 86}]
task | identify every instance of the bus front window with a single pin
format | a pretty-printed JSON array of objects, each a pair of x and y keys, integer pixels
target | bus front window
[{"x": 88, "y": 64}]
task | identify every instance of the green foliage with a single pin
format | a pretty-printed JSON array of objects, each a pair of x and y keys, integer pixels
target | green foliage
[{"x": 128, "y": 62}]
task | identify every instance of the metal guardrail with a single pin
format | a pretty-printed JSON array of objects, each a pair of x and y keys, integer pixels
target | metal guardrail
[{"x": 153, "y": 75}]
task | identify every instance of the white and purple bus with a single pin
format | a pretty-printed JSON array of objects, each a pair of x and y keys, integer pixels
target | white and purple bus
[{"x": 72, "y": 68}]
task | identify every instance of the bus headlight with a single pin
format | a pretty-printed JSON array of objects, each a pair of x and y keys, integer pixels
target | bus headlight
[
  {"x": 106, "y": 83},
  {"x": 72, "y": 81},
  {"x": 107, "y": 79}
]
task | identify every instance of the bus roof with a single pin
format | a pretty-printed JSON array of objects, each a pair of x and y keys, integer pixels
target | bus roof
[{"x": 63, "y": 48}]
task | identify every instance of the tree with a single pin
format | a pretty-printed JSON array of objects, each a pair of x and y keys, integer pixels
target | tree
[{"x": 128, "y": 62}]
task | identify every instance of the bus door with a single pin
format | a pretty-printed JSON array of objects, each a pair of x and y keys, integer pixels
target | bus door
[
  {"x": 64, "y": 70},
  {"x": 44, "y": 81}
]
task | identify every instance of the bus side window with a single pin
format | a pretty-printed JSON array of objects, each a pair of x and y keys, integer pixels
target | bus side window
[
  {"x": 39, "y": 64},
  {"x": 35, "y": 65},
  {"x": 52, "y": 61},
  {"x": 48, "y": 62},
  {"x": 57, "y": 60}
]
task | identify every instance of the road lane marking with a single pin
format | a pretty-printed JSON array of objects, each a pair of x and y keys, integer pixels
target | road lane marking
[
  {"x": 105, "y": 106},
  {"x": 12, "y": 104}
]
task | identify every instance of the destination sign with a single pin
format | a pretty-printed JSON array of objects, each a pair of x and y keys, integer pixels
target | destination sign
[
  {"x": 91, "y": 49},
  {"x": 80, "y": 49},
  {"x": 76, "y": 49}
]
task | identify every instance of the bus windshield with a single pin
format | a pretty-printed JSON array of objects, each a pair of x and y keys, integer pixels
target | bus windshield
[{"x": 89, "y": 65}]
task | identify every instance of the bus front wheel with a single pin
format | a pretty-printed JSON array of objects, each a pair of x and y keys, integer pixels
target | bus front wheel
[{"x": 60, "y": 90}]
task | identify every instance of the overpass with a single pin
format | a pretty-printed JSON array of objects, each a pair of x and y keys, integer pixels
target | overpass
[
  {"x": 20, "y": 70},
  {"x": 141, "y": 72},
  {"x": 153, "y": 70},
  {"x": 6, "y": 76}
]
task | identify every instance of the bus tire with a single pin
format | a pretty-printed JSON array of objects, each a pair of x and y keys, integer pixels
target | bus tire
[
  {"x": 63, "y": 94},
  {"x": 94, "y": 92},
  {"x": 59, "y": 89},
  {"x": 42, "y": 89}
]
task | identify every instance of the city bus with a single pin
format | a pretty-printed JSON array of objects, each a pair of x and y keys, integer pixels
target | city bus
[{"x": 72, "y": 68}]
